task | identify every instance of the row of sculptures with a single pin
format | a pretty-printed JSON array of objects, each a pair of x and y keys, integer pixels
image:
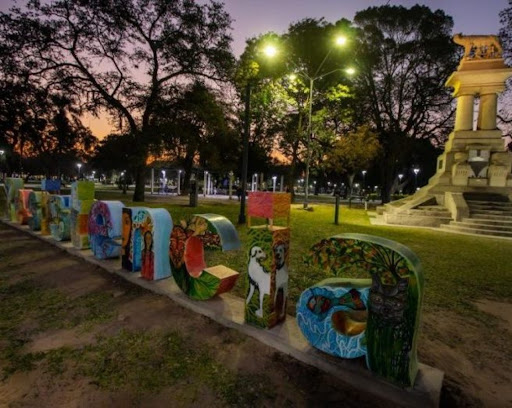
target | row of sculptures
[{"x": 376, "y": 317}]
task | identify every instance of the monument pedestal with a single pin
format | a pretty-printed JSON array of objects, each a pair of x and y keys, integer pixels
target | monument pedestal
[{"x": 474, "y": 161}]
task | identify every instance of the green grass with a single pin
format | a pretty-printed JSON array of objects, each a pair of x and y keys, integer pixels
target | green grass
[{"x": 458, "y": 269}]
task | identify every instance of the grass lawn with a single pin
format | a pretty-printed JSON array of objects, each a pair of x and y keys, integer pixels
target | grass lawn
[{"x": 458, "y": 269}]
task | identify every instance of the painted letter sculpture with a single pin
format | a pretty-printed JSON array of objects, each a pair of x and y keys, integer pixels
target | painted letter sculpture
[
  {"x": 22, "y": 211},
  {"x": 131, "y": 241},
  {"x": 104, "y": 228},
  {"x": 12, "y": 186},
  {"x": 82, "y": 198},
  {"x": 267, "y": 277},
  {"x": 186, "y": 252},
  {"x": 332, "y": 314},
  {"x": 60, "y": 217},
  {"x": 145, "y": 241},
  {"x": 35, "y": 199}
]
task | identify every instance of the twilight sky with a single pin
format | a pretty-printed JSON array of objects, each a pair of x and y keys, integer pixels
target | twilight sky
[{"x": 253, "y": 17}]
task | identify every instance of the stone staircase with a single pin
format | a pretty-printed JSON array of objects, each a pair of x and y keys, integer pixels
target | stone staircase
[{"x": 489, "y": 214}]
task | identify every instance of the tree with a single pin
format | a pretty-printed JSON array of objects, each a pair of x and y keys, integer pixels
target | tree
[
  {"x": 43, "y": 126},
  {"x": 195, "y": 130},
  {"x": 404, "y": 58},
  {"x": 505, "y": 114},
  {"x": 120, "y": 55},
  {"x": 353, "y": 152}
]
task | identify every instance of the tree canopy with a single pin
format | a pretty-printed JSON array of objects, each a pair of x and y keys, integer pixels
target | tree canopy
[{"x": 120, "y": 55}]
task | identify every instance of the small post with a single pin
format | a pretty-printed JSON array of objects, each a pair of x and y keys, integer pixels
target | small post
[
  {"x": 205, "y": 183},
  {"x": 337, "y": 210},
  {"x": 281, "y": 187},
  {"x": 230, "y": 185},
  {"x": 179, "y": 182},
  {"x": 366, "y": 203},
  {"x": 152, "y": 180}
]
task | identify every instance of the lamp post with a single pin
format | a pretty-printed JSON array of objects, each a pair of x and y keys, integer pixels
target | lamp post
[
  {"x": 2, "y": 155},
  {"x": 364, "y": 178},
  {"x": 274, "y": 178},
  {"x": 416, "y": 171},
  {"x": 179, "y": 182},
  {"x": 340, "y": 41},
  {"x": 79, "y": 165},
  {"x": 400, "y": 176},
  {"x": 93, "y": 173}
]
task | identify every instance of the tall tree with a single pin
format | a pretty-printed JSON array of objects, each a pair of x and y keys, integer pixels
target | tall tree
[
  {"x": 404, "y": 58},
  {"x": 45, "y": 127},
  {"x": 353, "y": 152},
  {"x": 120, "y": 55},
  {"x": 505, "y": 114}
]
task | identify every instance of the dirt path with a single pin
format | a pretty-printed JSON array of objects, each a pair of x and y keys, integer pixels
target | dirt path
[{"x": 72, "y": 335}]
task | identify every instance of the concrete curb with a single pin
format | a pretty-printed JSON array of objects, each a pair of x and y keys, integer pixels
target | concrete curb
[{"x": 228, "y": 310}]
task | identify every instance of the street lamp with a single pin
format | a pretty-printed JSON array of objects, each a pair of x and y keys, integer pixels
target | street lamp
[
  {"x": 400, "y": 176},
  {"x": 339, "y": 41},
  {"x": 270, "y": 51},
  {"x": 274, "y": 178},
  {"x": 364, "y": 178},
  {"x": 416, "y": 171},
  {"x": 79, "y": 165},
  {"x": 179, "y": 182}
]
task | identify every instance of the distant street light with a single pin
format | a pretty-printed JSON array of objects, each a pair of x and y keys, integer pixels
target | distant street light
[
  {"x": 79, "y": 165},
  {"x": 416, "y": 170},
  {"x": 274, "y": 178},
  {"x": 364, "y": 178},
  {"x": 179, "y": 182}
]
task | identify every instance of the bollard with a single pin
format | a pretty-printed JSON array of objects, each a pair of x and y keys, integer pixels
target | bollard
[
  {"x": 337, "y": 210},
  {"x": 366, "y": 205}
]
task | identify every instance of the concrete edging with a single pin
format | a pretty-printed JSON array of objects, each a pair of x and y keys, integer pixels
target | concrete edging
[{"x": 228, "y": 310}]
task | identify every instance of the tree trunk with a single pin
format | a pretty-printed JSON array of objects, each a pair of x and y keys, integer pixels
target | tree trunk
[
  {"x": 140, "y": 183},
  {"x": 387, "y": 176},
  {"x": 188, "y": 163}
]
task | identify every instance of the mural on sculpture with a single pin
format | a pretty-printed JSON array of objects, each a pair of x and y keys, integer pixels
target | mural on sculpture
[
  {"x": 131, "y": 242},
  {"x": 151, "y": 230},
  {"x": 82, "y": 199},
  {"x": 22, "y": 210},
  {"x": 12, "y": 185},
  {"x": 267, "y": 284},
  {"x": 332, "y": 316},
  {"x": 4, "y": 204},
  {"x": 189, "y": 239},
  {"x": 268, "y": 205},
  {"x": 394, "y": 299},
  {"x": 60, "y": 217},
  {"x": 35, "y": 208},
  {"x": 104, "y": 227},
  {"x": 45, "y": 213}
]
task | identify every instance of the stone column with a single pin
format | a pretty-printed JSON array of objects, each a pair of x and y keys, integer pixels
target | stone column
[
  {"x": 464, "y": 113},
  {"x": 487, "y": 111}
]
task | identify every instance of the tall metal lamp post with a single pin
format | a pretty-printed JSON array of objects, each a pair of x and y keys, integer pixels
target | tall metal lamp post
[
  {"x": 269, "y": 51},
  {"x": 79, "y": 165},
  {"x": 364, "y": 178},
  {"x": 340, "y": 41}
]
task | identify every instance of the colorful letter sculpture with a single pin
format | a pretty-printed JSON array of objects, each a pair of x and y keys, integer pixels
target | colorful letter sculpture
[
  {"x": 36, "y": 212},
  {"x": 331, "y": 314},
  {"x": 60, "y": 216},
  {"x": 12, "y": 186},
  {"x": 22, "y": 211},
  {"x": 51, "y": 186},
  {"x": 131, "y": 241},
  {"x": 4, "y": 205},
  {"x": 82, "y": 198},
  {"x": 269, "y": 252},
  {"x": 104, "y": 228},
  {"x": 188, "y": 242},
  {"x": 150, "y": 233}
]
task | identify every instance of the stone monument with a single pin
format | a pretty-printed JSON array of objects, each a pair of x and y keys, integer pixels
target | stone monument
[{"x": 474, "y": 172}]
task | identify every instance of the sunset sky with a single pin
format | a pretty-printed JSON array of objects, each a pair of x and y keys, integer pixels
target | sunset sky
[{"x": 253, "y": 17}]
